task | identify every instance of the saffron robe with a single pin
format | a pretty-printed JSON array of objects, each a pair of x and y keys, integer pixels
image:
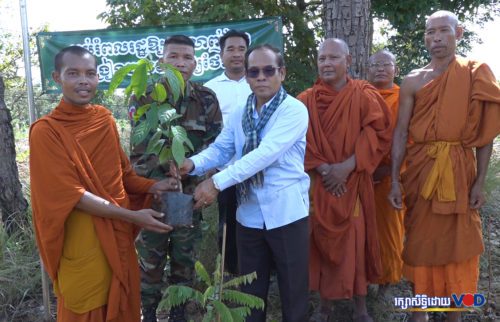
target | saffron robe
[
  {"x": 454, "y": 113},
  {"x": 390, "y": 224},
  {"x": 73, "y": 150},
  {"x": 344, "y": 247}
]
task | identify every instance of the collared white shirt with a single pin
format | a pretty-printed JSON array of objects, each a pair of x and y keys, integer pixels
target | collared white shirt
[
  {"x": 230, "y": 93},
  {"x": 284, "y": 198}
]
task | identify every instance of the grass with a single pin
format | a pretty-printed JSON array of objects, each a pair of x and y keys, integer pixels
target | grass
[{"x": 20, "y": 279}]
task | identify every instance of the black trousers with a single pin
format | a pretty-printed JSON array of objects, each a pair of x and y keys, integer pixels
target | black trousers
[
  {"x": 227, "y": 214},
  {"x": 287, "y": 248}
]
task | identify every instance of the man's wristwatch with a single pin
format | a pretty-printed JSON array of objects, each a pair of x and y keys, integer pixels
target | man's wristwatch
[{"x": 215, "y": 184}]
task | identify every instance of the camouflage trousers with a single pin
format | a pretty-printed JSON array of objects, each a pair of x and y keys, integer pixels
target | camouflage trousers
[{"x": 155, "y": 250}]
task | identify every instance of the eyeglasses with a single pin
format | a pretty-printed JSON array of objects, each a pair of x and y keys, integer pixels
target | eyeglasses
[
  {"x": 379, "y": 65},
  {"x": 269, "y": 71}
]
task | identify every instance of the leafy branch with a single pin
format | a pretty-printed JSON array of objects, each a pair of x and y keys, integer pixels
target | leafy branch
[
  {"x": 217, "y": 295},
  {"x": 156, "y": 120}
]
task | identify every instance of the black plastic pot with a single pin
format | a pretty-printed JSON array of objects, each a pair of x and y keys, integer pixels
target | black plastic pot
[{"x": 178, "y": 208}]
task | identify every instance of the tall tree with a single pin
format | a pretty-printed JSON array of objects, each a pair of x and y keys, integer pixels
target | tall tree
[
  {"x": 351, "y": 20},
  {"x": 13, "y": 206}
]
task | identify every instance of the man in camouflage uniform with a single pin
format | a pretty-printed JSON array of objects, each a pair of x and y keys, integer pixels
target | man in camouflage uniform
[{"x": 202, "y": 119}]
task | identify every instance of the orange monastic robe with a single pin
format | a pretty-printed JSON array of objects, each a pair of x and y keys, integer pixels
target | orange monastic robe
[
  {"x": 74, "y": 150},
  {"x": 389, "y": 220},
  {"x": 452, "y": 114},
  {"x": 344, "y": 253}
]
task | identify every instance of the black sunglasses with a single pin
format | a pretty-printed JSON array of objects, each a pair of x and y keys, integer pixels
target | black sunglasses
[{"x": 269, "y": 71}]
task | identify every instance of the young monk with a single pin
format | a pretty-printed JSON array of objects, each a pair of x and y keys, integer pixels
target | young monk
[
  {"x": 381, "y": 72},
  {"x": 449, "y": 108},
  {"x": 80, "y": 185},
  {"x": 349, "y": 133}
]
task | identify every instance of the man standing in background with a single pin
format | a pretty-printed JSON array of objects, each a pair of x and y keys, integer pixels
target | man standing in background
[
  {"x": 450, "y": 109},
  {"x": 381, "y": 72},
  {"x": 348, "y": 135},
  {"x": 202, "y": 120},
  {"x": 232, "y": 89}
]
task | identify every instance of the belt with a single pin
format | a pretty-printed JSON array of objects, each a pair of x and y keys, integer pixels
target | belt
[{"x": 440, "y": 179}]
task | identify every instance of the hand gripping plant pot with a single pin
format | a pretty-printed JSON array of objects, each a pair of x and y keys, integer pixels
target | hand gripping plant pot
[{"x": 156, "y": 122}]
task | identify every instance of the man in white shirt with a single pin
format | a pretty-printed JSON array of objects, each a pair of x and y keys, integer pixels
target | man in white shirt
[
  {"x": 267, "y": 137},
  {"x": 231, "y": 89}
]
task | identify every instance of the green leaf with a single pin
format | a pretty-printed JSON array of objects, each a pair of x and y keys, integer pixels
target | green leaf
[
  {"x": 139, "y": 133},
  {"x": 239, "y": 280},
  {"x": 159, "y": 93},
  {"x": 119, "y": 76},
  {"x": 152, "y": 116},
  {"x": 139, "y": 80},
  {"x": 165, "y": 155},
  {"x": 166, "y": 114},
  {"x": 202, "y": 273},
  {"x": 223, "y": 311},
  {"x": 240, "y": 298},
  {"x": 177, "y": 295},
  {"x": 178, "y": 150},
  {"x": 240, "y": 313},
  {"x": 175, "y": 80},
  {"x": 180, "y": 133},
  {"x": 140, "y": 111},
  {"x": 155, "y": 143},
  {"x": 209, "y": 292}
]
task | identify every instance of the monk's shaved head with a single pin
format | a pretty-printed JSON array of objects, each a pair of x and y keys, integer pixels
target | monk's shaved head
[
  {"x": 382, "y": 69},
  {"x": 382, "y": 53},
  {"x": 333, "y": 62},
  {"x": 453, "y": 19},
  {"x": 342, "y": 43}
]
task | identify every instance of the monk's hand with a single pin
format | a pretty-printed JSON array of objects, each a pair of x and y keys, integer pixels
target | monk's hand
[
  {"x": 476, "y": 196},
  {"x": 396, "y": 196},
  {"x": 168, "y": 184},
  {"x": 335, "y": 178},
  {"x": 381, "y": 172},
  {"x": 205, "y": 194},
  {"x": 339, "y": 190},
  {"x": 150, "y": 220}
]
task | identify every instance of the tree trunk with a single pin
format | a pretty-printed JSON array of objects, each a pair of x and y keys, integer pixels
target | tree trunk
[
  {"x": 350, "y": 20},
  {"x": 12, "y": 203}
]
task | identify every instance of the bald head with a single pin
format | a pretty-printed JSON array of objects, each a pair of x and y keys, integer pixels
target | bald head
[
  {"x": 333, "y": 62},
  {"x": 329, "y": 41},
  {"x": 382, "y": 54},
  {"x": 442, "y": 32},
  {"x": 448, "y": 15},
  {"x": 382, "y": 69}
]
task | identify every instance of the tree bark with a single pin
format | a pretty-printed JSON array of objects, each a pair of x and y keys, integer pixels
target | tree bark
[
  {"x": 13, "y": 206},
  {"x": 350, "y": 20}
]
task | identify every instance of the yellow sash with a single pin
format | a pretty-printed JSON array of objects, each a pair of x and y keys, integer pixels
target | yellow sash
[
  {"x": 440, "y": 178},
  {"x": 84, "y": 276}
]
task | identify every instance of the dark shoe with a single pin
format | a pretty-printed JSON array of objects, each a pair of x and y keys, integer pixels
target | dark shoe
[
  {"x": 176, "y": 314},
  {"x": 149, "y": 315}
]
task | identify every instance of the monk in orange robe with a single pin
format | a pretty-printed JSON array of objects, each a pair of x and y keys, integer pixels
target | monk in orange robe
[
  {"x": 80, "y": 185},
  {"x": 448, "y": 108},
  {"x": 349, "y": 133},
  {"x": 381, "y": 72}
]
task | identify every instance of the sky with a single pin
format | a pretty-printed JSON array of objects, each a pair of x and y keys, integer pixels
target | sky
[{"x": 66, "y": 15}]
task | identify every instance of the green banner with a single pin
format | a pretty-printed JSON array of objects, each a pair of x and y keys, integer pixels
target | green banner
[{"x": 115, "y": 48}]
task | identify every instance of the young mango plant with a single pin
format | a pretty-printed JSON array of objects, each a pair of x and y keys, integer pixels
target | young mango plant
[
  {"x": 167, "y": 140},
  {"x": 216, "y": 296}
]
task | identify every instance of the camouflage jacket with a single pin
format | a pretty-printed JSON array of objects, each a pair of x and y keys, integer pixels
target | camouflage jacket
[{"x": 202, "y": 119}]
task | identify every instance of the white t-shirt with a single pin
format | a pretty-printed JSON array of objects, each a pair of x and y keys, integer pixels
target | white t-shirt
[{"x": 230, "y": 93}]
